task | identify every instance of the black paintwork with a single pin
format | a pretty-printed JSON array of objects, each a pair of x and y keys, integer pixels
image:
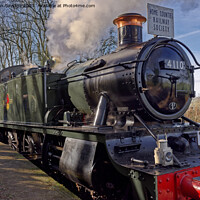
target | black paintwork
[
  {"x": 134, "y": 79},
  {"x": 129, "y": 34}
]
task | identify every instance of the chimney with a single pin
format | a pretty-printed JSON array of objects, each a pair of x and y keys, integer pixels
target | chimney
[{"x": 129, "y": 28}]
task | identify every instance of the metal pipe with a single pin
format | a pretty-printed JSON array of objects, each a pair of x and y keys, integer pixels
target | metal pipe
[
  {"x": 154, "y": 136},
  {"x": 145, "y": 126},
  {"x": 190, "y": 121},
  {"x": 45, "y": 88},
  {"x": 101, "y": 113},
  {"x": 190, "y": 187},
  {"x": 55, "y": 156}
]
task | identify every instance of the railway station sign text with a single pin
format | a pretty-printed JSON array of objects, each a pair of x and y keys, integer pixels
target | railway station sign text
[{"x": 160, "y": 20}]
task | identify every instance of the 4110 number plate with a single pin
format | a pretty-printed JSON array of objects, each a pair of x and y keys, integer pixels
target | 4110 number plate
[{"x": 173, "y": 64}]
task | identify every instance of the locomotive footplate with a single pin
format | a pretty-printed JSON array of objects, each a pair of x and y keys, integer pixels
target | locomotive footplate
[{"x": 134, "y": 155}]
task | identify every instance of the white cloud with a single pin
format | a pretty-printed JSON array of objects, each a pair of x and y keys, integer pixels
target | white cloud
[{"x": 188, "y": 34}]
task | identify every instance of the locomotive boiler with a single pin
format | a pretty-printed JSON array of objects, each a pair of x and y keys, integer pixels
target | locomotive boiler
[
  {"x": 154, "y": 78},
  {"x": 114, "y": 124}
]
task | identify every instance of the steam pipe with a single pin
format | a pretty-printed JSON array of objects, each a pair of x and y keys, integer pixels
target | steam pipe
[
  {"x": 146, "y": 127},
  {"x": 101, "y": 113},
  {"x": 155, "y": 138},
  {"x": 190, "y": 121},
  {"x": 190, "y": 187}
]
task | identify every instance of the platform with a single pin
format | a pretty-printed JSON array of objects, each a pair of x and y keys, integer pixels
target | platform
[{"x": 22, "y": 180}]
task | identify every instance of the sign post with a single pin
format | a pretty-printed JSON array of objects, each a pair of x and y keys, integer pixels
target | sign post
[{"x": 160, "y": 20}]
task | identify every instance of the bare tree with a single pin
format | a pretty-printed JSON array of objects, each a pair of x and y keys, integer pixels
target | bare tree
[
  {"x": 23, "y": 32},
  {"x": 107, "y": 45}
]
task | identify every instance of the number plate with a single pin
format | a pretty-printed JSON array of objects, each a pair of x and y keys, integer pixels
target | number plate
[{"x": 174, "y": 64}]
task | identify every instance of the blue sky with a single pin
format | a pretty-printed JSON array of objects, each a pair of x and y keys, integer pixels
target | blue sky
[{"x": 187, "y": 30}]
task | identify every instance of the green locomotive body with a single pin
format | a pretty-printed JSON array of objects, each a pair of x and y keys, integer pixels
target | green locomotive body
[
  {"x": 114, "y": 124},
  {"x": 27, "y": 97}
]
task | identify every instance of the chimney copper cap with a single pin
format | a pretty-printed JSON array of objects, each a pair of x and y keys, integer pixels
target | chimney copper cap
[{"x": 129, "y": 19}]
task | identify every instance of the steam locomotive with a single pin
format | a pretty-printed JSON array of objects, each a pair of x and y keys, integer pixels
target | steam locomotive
[{"x": 114, "y": 124}]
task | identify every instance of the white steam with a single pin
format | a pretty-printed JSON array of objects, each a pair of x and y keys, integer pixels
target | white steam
[{"x": 78, "y": 31}]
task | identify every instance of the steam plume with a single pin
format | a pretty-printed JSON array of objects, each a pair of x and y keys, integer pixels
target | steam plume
[
  {"x": 73, "y": 31},
  {"x": 76, "y": 31}
]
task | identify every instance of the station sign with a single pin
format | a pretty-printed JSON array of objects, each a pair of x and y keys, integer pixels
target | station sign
[{"x": 160, "y": 20}]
